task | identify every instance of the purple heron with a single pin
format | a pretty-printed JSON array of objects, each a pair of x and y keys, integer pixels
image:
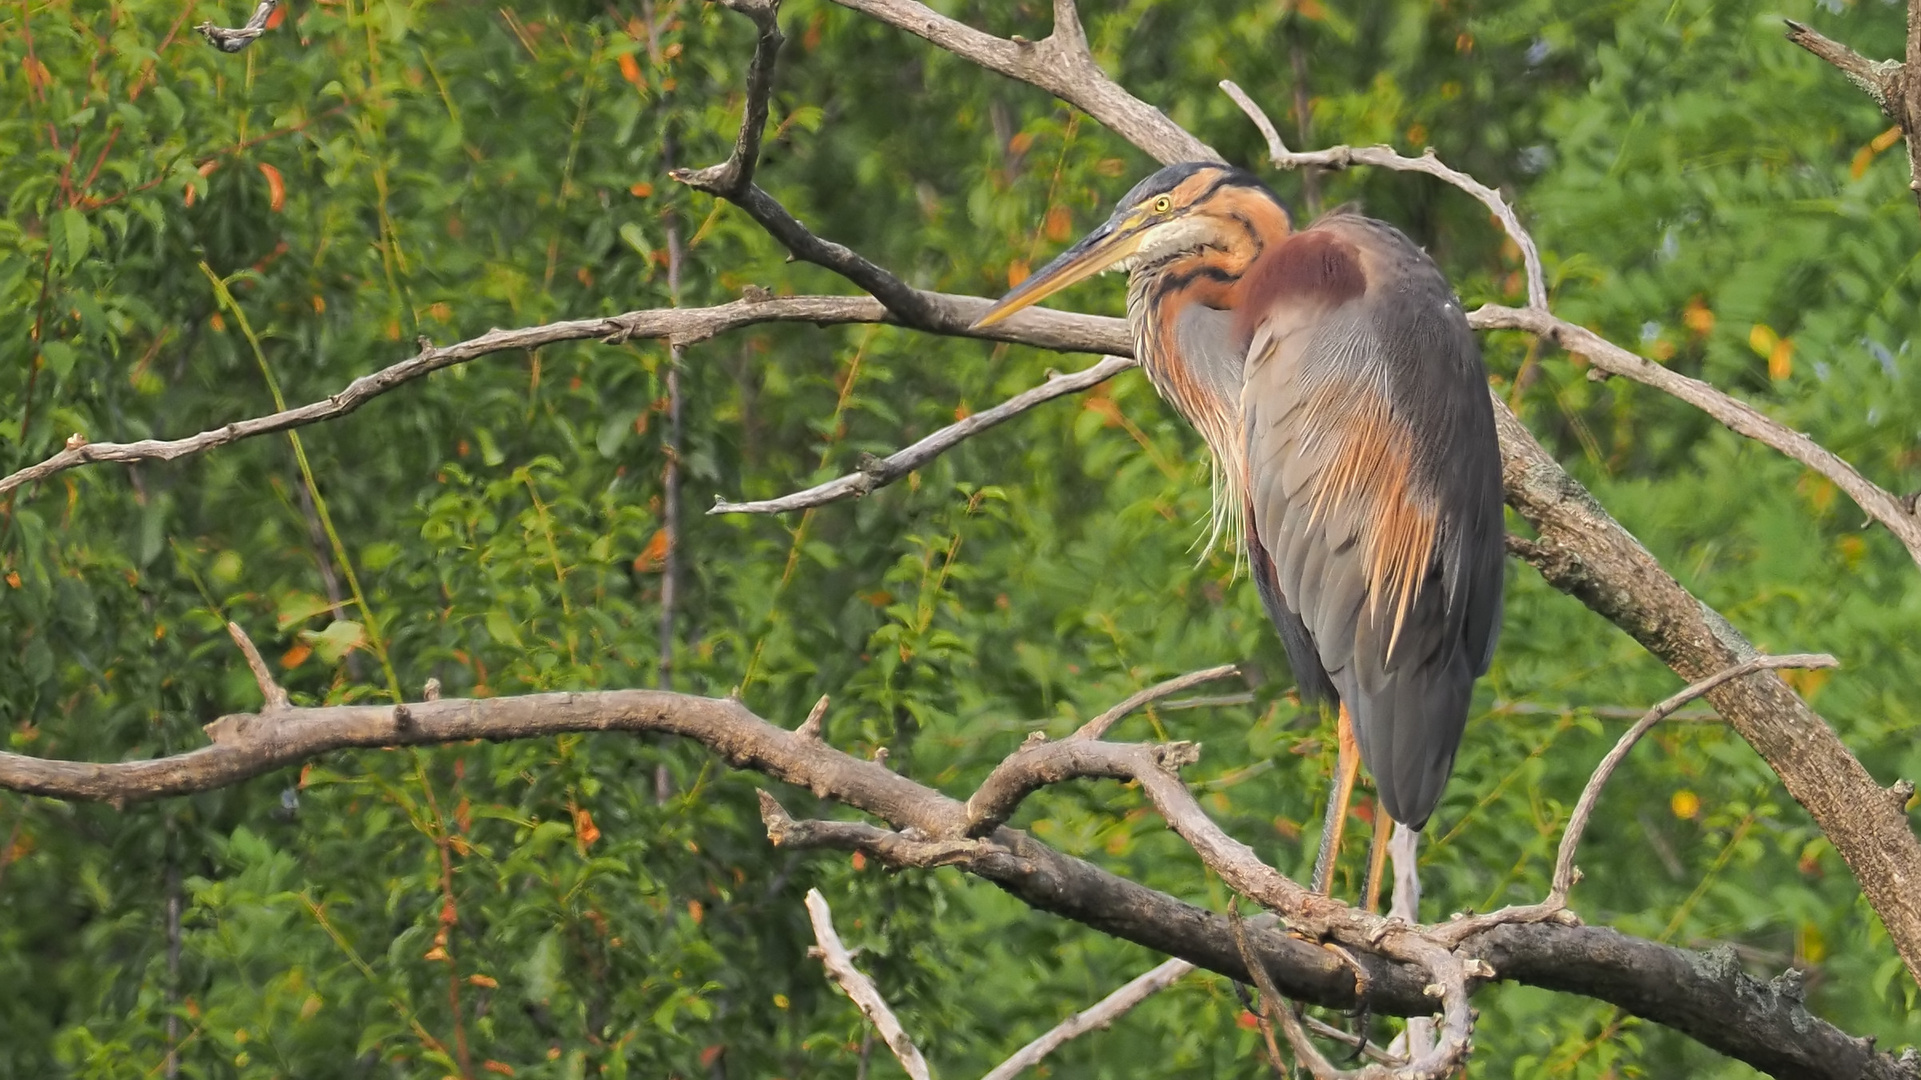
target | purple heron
[{"x": 1333, "y": 375}]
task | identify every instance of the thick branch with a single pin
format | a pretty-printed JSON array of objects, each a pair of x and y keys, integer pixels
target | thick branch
[
  {"x": 1059, "y": 64},
  {"x": 1723, "y": 1008},
  {"x": 1586, "y": 553}
]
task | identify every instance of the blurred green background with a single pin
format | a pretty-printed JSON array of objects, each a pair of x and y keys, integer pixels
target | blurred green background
[{"x": 373, "y": 171}]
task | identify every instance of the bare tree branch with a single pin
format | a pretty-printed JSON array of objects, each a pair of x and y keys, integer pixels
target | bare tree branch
[
  {"x": 1740, "y": 417},
  {"x": 1882, "y": 80},
  {"x": 1565, "y": 874},
  {"x": 1564, "y": 871},
  {"x": 270, "y": 691},
  {"x": 1712, "y": 1001},
  {"x": 1340, "y": 157},
  {"x": 1098, "y": 727},
  {"x": 833, "y": 956},
  {"x": 876, "y": 473},
  {"x": 1040, "y": 327},
  {"x": 1059, "y": 64},
  {"x": 1098, "y": 1015},
  {"x": 235, "y": 39},
  {"x": 1585, "y": 553}
]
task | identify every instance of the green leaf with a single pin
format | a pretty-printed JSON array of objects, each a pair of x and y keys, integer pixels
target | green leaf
[{"x": 341, "y": 637}]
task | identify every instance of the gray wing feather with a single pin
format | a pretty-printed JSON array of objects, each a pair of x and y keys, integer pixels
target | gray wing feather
[{"x": 1404, "y": 347}]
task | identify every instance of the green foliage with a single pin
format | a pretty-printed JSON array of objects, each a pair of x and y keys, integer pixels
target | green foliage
[{"x": 596, "y": 905}]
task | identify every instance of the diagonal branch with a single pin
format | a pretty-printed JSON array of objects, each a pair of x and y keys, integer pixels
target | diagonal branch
[
  {"x": 840, "y": 965},
  {"x": 1060, "y": 64},
  {"x": 1565, "y": 874},
  {"x": 1882, "y": 80},
  {"x": 876, "y": 473},
  {"x": 1098, "y": 727},
  {"x": 1095, "y": 1016},
  {"x": 1739, "y": 417}
]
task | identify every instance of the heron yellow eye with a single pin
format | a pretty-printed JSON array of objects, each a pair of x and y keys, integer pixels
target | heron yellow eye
[{"x": 1163, "y": 204}]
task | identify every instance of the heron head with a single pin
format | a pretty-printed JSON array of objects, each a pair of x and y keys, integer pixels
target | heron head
[{"x": 1177, "y": 211}]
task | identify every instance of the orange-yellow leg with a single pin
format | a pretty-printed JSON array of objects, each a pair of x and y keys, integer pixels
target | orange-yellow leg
[
  {"x": 1384, "y": 827},
  {"x": 1347, "y": 766}
]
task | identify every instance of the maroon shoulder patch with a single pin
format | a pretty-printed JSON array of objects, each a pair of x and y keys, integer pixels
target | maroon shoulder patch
[{"x": 1308, "y": 266}]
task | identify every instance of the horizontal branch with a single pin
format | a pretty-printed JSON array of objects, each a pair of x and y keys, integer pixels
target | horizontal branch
[
  {"x": 1039, "y": 327},
  {"x": 1720, "y": 1006},
  {"x": 876, "y": 473}
]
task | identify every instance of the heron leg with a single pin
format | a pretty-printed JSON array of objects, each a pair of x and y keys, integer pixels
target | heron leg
[
  {"x": 1384, "y": 827},
  {"x": 1346, "y": 767}
]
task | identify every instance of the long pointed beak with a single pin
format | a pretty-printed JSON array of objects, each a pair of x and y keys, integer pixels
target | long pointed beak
[{"x": 1099, "y": 250}]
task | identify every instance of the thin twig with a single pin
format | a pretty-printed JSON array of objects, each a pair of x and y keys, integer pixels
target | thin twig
[
  {"x": 1270, "y": 1002},
  {"x": 834, "y": 957},
  {"x": 1564, "y": 872},
  {"x": 1040, "y": 327},
  {"x": 1554, "y": 907},
  {"x": 1737, "y": 415},
  {"x": 1340, "y": 157},
  {"x": 1098, "y": 1015},
  {"x": 876, "y": 473},
  {"x": 1097, "y": 727}
]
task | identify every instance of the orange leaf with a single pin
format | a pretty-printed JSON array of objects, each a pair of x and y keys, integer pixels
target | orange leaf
[
  {"x": 1017, "y": 272},
  {"x": 630, "y": 70},
  {"x": 1685, "y": 804},
  {"x": 500, "y": 1067},
  {"x": 860, "y": 861},
  {"x": 1060, "y": 223},
  {"x": 487, "y": 981},
  {"x": 584, "y": 829},
  {"x": 1697, "y": 317},
  {"x": 695, "y": 911},
  {"x": 962, "y": 412},
  {"x": 1781, "y": 360},
  {"x": 641, "y": 190},
  {"x": 654, "y": 556},
  {"x": 295, "y": 656},
  {"x": 279, "y": 16}
]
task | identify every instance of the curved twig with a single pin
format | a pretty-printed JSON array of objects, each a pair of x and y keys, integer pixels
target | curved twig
[{"x": 1340, "y": 157}]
